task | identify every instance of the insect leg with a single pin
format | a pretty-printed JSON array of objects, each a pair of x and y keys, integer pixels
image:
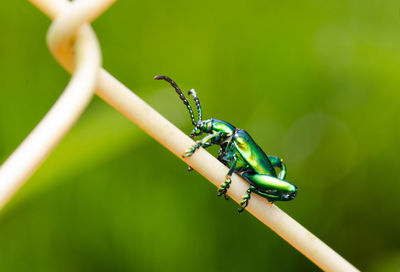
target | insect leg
[
  {"x": 225, "y": 186},
  {"x": 271, "y": 187},
  {"x": 204, "y": 146},
  {"x": 189, "y": 152},
  {"x": 278, "y": 162},
  {"x": 246, "y": 198}
]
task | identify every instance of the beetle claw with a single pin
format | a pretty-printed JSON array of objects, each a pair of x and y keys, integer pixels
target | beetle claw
[
  {"x": 243, "y": 205},
  {"x": 189, "y": 152},
  {"x": 223, "y": 192},
  {"x": 240, "y": 209}
]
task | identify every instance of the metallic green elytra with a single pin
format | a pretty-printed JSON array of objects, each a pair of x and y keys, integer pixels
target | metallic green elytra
[{"x": 240, "y": 153}]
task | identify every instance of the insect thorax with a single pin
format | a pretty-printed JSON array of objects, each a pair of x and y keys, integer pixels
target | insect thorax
[{"x": 220, "y": 126}]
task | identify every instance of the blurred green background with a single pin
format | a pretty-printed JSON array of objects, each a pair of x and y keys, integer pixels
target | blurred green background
[{"x": 316, "y": 83}]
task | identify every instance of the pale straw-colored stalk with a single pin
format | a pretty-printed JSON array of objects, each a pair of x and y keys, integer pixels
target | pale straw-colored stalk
[
  {"x": 140, "y": 113},
  {"x": 76, "y": 96}
]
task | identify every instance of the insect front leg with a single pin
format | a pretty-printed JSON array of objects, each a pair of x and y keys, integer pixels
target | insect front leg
[
  {"x": 225, "y": 186},
  {"x": 204, "y": 146},
  {"x": 278, "y": 162},
  {"x": 189, "y": 152}
]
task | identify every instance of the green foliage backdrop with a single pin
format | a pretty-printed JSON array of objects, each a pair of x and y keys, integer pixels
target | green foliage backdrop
[{"x": 316, "y": 83}]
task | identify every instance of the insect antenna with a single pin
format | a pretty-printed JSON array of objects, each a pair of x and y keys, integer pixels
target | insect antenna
[
  {"x": 181, "y": 96},
  {"x": 196, "y": 99}
]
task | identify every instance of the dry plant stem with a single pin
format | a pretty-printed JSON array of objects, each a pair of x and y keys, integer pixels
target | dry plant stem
[
  {"x": 176, "y": 141},
  {"x": 76, "y": 96}
]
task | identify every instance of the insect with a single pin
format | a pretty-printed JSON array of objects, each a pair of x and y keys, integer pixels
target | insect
[{"x": 240, "y": 153}]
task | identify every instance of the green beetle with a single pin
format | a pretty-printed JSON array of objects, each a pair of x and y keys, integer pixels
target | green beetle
[{"x": 240, "y": 153}]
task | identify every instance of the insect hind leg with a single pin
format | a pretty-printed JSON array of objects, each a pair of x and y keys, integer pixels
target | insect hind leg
[
  {"x": 278, "y": 162},
  {"x": 271, "y": 187}
]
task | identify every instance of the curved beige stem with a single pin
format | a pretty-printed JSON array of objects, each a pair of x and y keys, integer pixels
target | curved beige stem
[{"x": 76, "y": 96}]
